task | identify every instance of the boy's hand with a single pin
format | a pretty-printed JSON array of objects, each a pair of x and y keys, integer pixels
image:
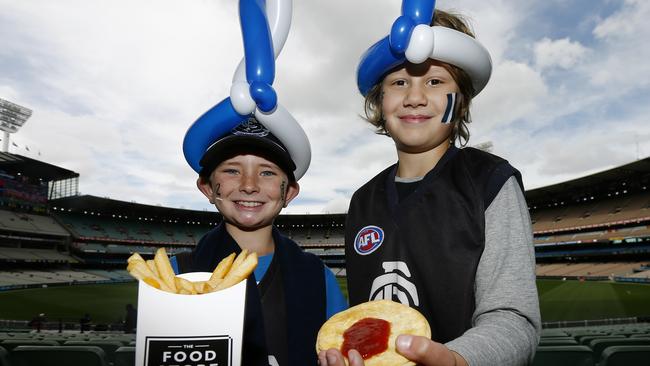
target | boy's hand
[
  {"x": 334, "y": 357},
  {"x": 420, "y": 350},
  {"x": 426, "y": 352}
]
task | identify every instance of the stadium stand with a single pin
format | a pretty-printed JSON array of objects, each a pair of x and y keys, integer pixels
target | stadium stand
[
  {"x": 125, "y": 356},
  {"x": 623, "y": 344},
  {"x": 30, "y": 348},
  {"x": 59, "y": 355},
  {"x": 4, "y": 357},
  {"x": 625, "y": 356},
  {"x": 595, "y": 227}
]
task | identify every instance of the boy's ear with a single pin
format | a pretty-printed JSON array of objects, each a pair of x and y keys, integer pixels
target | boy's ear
[
  {"x": 206, "y": 188},
  {"x": 292, "y": 191}
]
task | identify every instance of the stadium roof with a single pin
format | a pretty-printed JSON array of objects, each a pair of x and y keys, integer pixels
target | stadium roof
[
  {"x": 106, "y": 206},
  {"x": 632, "y": 177},
  {"x": 21, "y": 165},
  {"x": 87, "y": 204}
]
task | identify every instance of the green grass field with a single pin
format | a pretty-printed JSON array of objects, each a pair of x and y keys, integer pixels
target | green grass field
[
  {"x": 575, "y": 300},
  {"x": 104, "y": 303},
  {"x": 559, "y": 301}
]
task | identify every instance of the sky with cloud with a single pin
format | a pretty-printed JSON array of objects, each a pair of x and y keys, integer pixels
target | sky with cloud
[{"x": 114, "y": 85}]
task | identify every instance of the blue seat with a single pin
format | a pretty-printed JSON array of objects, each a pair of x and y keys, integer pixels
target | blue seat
[
  {"x": 58, "y": 356},
  {"x": 574, "y": 355},
  {"x": 125, "y": 356},
  {"x": 625, "y": 356}
]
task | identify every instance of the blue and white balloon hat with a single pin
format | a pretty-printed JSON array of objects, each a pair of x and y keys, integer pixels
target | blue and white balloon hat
[
  {"x": 412, "y": 39},
  {"x": 265, "y": 27}
]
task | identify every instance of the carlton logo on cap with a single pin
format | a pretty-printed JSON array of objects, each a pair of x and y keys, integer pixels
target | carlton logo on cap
[{"x": 251, "y": 127}]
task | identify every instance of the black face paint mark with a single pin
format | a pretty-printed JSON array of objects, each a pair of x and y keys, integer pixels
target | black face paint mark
[
  {"x": 216, "y": 195},
  {"x": 283, "y": 193}
]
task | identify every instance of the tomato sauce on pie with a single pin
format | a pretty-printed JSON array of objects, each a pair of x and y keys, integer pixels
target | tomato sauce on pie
[{"x": 369, "y": 336}]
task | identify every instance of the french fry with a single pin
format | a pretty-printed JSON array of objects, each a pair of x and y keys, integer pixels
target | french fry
[
  {"x": 240, "y": 258},
  {"x": 135, "y": 257},
  {"x": 201, "y": 287},
  {"x": 156, "y": 283},
  {"x": 211, "y": 286},
  {"x": 185, "y": 286},
  {"x": 239, "y": 273},
  {"x": 158, "y": 273},
  {"x": 152, "y": 266},
  {"x": 139, "y": 270},
  {"x": 165, "y": 270},
  {"x": 223, "y": 267}
]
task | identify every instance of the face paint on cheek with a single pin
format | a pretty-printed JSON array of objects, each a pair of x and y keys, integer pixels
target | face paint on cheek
[
  {"x": 217, "y": 193},
  {"x": 450, "y": 111},
  {"x": 283, "y": 193}
]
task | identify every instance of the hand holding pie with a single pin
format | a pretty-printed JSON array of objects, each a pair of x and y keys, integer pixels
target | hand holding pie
[{"x": 371, "y": 328}]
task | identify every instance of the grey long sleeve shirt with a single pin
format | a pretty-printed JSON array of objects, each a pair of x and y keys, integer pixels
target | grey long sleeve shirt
[{"x": 506, "y": 324}]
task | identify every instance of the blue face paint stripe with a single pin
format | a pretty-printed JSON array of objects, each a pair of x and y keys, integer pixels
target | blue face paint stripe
[{"x": 449, "y": 111}]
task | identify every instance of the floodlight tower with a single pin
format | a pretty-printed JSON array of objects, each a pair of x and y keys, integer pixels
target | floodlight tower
[{"x": 12, "y": 118}]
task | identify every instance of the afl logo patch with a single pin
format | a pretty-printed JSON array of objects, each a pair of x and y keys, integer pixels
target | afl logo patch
[{"x": 368, "y": 239}]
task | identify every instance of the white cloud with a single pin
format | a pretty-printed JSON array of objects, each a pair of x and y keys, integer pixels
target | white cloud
[
  {"x": 626, "y": 23},
  {"x": 514, "y": 92},
  {"x": 621, "y": 63},
  {"x": 558, "y": 53}
]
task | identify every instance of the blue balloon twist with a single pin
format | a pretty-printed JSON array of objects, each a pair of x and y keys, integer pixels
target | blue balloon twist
[
  {"x": 265, "y": 27},
  {"x": 260, "y": 73},
  {"x": 389, "y": 51}
]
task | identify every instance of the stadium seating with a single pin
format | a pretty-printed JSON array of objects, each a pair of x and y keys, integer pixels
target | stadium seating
[
  {"x": 4, "y": 358},
  {"x": 598, "y": 345},
  {"x": 557, "y": 341},
  {"x": 109, "y": 346},
  {"x": 125, "y": 356},
  {"x": 619, "y": 209},
  {"x": 586, "y": 340},
  {"x": 27, "y": 277},
  {"x": 563, "y": 356},
  {"x": 10, "y": 344},
  {"x": 25, "y": 222},
  {"x": 554, "y": 333},
  {"x": 118, "y": 348},
  {"x": 642, "y": 274},
  {"x": 58, "y": 356},
  {"x": 34, "y": 255},
  {"x": 625, "y": 356}
]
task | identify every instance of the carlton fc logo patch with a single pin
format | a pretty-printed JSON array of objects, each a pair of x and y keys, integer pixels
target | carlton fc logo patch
[{"x": 368, "y": 239}]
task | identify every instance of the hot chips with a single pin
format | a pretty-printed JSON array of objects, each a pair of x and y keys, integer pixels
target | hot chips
[{"x": 159, "y": 273}]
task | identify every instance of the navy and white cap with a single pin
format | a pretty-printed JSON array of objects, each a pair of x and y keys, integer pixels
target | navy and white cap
[{"x": 249, "y": 137}]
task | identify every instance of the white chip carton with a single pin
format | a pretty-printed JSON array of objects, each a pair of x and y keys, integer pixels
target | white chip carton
[{"x": 190, "y": 330}]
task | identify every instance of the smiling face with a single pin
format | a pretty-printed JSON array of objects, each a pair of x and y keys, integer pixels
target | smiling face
[
  {"x": 413, "y": 104},
  {"x": 249, "y": 191}
]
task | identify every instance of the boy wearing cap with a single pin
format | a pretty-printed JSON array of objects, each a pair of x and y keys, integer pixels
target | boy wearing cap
[
  {"x": 249, "y": 176},
  {"x": 450, "y": 226}
]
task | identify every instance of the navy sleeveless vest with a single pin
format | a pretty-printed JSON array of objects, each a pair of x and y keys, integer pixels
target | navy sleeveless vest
[
  {"x": 424, "y": 251},
  {"x": 298, "y": 296}
]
